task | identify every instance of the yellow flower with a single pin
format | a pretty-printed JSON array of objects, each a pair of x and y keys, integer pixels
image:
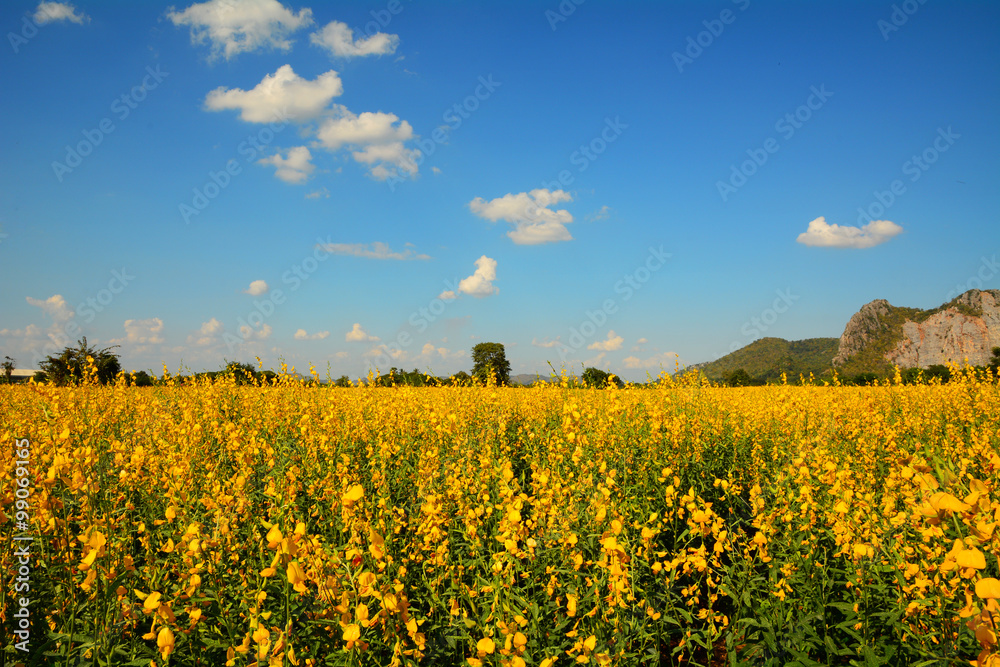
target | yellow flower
[
  {"x": 165, "y": 642},
  {"x": 152, "y": 602},
  {"x": 353, "y": 495},
  {"x": 485, "y": 646},
  {"x": 988, "y": 589}
]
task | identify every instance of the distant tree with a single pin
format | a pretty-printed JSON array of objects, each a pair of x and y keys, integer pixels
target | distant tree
[
  {"x": 342, "y": 381},
  {"x": 8, "y": 368},
  {"x": 140, "y": 379},
  {"x": 939, "y": 371},
  {"x": 489, "y": 359},
  {"x": 242, "y": 373},
  {"x": 739, "y": 378},
  {"x": 595, "y": 377},
  {"x": 460, "y": 379},
  {"x": 994, "y": 362},
  {"x": 69, "y": 366}
]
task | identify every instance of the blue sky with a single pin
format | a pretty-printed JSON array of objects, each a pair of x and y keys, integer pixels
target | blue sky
[{"x": 390, "y": 183}]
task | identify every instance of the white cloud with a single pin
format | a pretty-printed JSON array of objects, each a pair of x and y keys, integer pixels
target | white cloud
[
  {"x": 292, "y": 169},
  {"x": 257, "y": 288},
  {"x": 666, "y": 360},
  {"x": 613, "y": 342},
  {"x": 638, "y": 347},
  {"x": 48, "y": 12},
  {"x": 207, "y": 334},
  {"x": 480, "y": 283},
  {"x": 338, "y": 39},
  {"x": 359, "y": 335},
  {"x": 546, "y": 343},
  {"x": 279, "y": 96},
  {"x": 447, "y": 295},
  {"x": 55, "y": 306},
  {"x": 316, "y": 194},
  {"x": 376, "y": 139},
  {"x": 376, "y": 250},
  {"x": 821, "y": 233},
  {"x": 530, "y": 213},
  {"x": 602, "y": 213},
  {"x": 302, "y": 335},
  {"x": 144, "y": 332},
  {"x": 248, "y": 333},
  {"x": 595, "y": 361},
  {"x": 436, "y": 171},
  {"x": 394, "y": 352},
  {"x": 237, "y": 27}
]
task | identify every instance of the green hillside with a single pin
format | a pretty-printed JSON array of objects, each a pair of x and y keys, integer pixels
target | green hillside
[{"x": 767, "y": 358}]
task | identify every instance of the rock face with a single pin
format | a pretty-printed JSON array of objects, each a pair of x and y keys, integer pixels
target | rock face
[
  {"x": 864, "y": 327},
  {"x": 951, "y": 335},
  {"x": 966, "y": 328}
]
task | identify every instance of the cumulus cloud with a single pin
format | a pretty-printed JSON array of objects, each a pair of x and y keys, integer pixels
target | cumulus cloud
[
  {"x": 292, "y": 169},
  {"x": 821, "y": 233},
  {"x": 448, "y": 295},
  {"x": 144, "y": 332},
  {"x": 662, "y": 360},
  {"x": 249, "y": 333},
  {"x": 613, "y": 342},
  {"x": 279, "y": 96},
  {"x": 302, "y": 335},
  {"x": 257, "y": 288},
  {"x": 480, "y": 283},
  {"x": 376, "y": 250},
  {"x": 639, "y": 345},
  {"x": 237, "y": 27},
  {"x": 207, "y": 334},
  {"x": 375, "y": 138},
  {"x": 49, "y": 12},
  {"x": 359, "y": 335},
  {"x": 55, "y": 306},
  {"x": 531, "y": 214},
  {"x": 339, "y": 40},
  {"x": 546, "y": 343}
]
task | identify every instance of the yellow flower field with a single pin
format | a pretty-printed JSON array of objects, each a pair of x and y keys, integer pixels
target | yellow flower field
[{"x": 216, "y": 524}]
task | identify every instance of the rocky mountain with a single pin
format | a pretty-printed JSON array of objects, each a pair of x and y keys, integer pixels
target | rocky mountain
[
  {"x": 881, "y": 335},
  {"x": 876, "y": 338}
]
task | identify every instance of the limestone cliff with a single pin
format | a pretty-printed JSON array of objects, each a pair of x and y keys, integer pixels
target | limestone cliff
[{"x": 881, "y": 335}]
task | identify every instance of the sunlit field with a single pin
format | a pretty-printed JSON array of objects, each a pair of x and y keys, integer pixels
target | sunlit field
[{"x": 212, "y": 524}]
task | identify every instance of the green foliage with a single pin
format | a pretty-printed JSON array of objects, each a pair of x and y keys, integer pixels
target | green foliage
[
  {"x": 140, "y": 379},
  {"x": 595, "y": 377},
  {"x": 490, "y": 360},
  {"x": 766, "y": 359},
  {"x": 740, "y": 378},
  {"x": 71, "y": 364},
  {"x": 8, "y": 369}
]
